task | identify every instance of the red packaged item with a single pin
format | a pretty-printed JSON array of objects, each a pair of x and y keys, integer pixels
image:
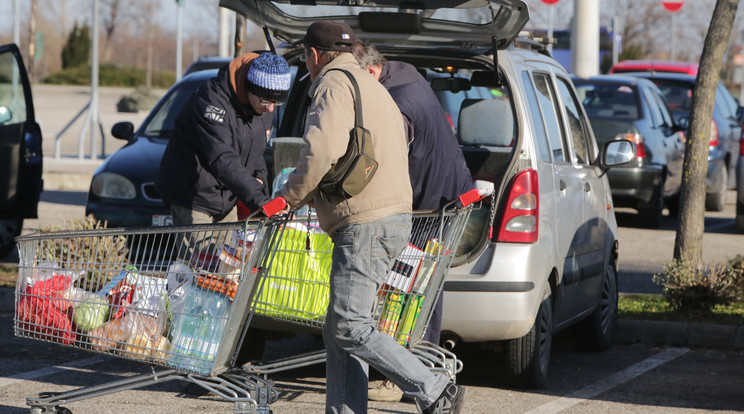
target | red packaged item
[{"x": 43, "y": 309}]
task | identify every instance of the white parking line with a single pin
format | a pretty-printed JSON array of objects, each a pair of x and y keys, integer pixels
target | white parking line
[
  {"x": 41, "y": 372},
  {"x": 610, "y": 382}
]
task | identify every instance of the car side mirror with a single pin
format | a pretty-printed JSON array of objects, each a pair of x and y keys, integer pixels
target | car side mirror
[
  {"x": 618, "y": 152},
  {"x": 5, "y": 115},
  {"x": 123, "y": 130},
  {"x": 683, "y": 123}
]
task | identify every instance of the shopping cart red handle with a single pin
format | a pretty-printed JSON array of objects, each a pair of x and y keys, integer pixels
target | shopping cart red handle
[
  {"x": 470, "y": 197},
  {"x": 274, "y": 206}
]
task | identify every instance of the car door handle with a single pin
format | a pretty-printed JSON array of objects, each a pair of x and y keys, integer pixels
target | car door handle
[
  {"x": 562, "y": 185},
  {"x": 587, "y": 187}
]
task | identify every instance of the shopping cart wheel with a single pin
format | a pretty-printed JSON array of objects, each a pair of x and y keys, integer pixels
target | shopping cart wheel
[{"x": 50, "y": 410}]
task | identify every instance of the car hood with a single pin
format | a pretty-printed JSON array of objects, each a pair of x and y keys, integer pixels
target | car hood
[
  {"x": 139, "y": 160},
  {"x": 474, "y": 24}
]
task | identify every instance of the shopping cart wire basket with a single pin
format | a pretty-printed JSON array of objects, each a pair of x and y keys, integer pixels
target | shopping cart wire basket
[
  {"x": 173, "y": 297},
  {"x": 294, "y": 287}
]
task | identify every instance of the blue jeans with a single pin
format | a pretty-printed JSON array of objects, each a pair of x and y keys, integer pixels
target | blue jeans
[{"x": 362, "y": 256}]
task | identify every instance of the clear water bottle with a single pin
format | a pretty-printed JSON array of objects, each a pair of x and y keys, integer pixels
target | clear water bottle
[
  {"x": 279, "y": 182},
  {"x": 198, "y": 330}
]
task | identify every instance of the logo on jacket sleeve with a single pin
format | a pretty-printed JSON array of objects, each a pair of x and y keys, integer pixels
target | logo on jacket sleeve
[{"x": 214, "y": 113}]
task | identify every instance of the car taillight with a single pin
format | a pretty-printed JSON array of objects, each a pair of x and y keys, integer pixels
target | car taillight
[
  {"x": 520, "y": 220},
  {"x": 713, "y": 134},
  {"x": 741, "y": 147},
  {"x": 638, "y": 140}
]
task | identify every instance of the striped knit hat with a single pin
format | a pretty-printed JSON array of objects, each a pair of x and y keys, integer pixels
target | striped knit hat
[{"x": 269, "y": 78}]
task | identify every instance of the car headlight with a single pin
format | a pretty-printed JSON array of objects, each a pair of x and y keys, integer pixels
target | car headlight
[{"x": 112, "y": 185}]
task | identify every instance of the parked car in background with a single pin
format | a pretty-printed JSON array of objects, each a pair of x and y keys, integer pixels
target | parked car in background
[
  {"x": 624, "y": 107},
  {"x": 725, "y": 131},
  {"x": 122, "y": 190},
  {"x": 541, "y": 255},
  {"x": 20, "y": 150},
  {"x": 625, "y": 66},
  {"x": 206, "y": 62}
]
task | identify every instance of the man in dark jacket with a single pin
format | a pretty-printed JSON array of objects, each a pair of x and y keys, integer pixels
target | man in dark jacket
[
  {"x": 216, "y": 155},
  {"x": 436, "y": 165}
]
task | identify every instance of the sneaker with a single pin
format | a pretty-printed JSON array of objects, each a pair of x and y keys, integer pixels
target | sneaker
[
  {"x": 449, "y": 402},
  {"x": 386, "y": 391}
]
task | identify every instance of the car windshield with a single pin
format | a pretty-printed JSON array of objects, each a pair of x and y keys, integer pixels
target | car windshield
[
  {"x": 609, "y": 100},
  {"x": 161, "y": 123}
]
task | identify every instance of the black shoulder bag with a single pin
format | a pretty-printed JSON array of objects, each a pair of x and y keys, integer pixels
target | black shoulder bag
[{"x": 355, "y": 169}]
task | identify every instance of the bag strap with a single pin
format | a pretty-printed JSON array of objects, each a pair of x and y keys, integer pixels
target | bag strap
[{"x": 357, "y": 100}]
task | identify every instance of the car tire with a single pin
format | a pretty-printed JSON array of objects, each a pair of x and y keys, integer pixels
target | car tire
[
  {"x": 527, "y": 358},
  {"x": 650, "y": 213},
  {"x": 9, "y": 230},
  {"x": 596, "y": 332},
  {"x": 740, "y": 218},
  {"x": 717, "y": 201}
]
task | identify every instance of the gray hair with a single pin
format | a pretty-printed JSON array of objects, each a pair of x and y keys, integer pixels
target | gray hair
[{"x": 367, "y": 55}]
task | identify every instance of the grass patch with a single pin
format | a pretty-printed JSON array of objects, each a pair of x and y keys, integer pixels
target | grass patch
[
  {"x": 8, "y": 274},
  {"x": 656, "y": 307}
]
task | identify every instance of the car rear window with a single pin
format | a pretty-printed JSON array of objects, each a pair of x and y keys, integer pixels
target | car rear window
[
  {"x": 678, "y": 95},
  {"x": 609, "y": 100}
]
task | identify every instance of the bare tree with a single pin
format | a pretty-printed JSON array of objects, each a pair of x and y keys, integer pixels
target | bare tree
[
  {"x": 688, "y": 244},
  {"x": 113, "y": 14}
]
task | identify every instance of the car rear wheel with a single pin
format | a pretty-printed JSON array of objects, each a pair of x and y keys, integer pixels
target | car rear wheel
[
  {"x": 651, "y": 212},
  {"x": 717, "y": 201},
  {"x": 9, "y": 230},
  {"x": 595, "y": 333},
  {"x": 740, "y": 218},
  {"x": 527, "y": 358}
]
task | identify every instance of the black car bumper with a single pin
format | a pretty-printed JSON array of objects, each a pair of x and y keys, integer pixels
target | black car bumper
[{"x": 633, "y": 186}]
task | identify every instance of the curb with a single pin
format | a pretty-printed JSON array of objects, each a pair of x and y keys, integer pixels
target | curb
[{"x": 627, "y": 331}]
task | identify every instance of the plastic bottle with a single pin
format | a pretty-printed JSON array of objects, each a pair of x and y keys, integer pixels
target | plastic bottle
[
  {"x": 198, "y": 330},
  {"x": 279, "y": 182}
]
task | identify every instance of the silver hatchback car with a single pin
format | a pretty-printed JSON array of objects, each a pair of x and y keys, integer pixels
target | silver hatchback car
[{"x": 542, "y": 255}]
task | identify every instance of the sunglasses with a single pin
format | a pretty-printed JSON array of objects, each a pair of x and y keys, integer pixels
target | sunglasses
[{"x": 266, "y": 103}]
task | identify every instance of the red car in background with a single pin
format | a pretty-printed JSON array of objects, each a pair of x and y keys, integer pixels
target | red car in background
[{"x": 689, "y": 68}]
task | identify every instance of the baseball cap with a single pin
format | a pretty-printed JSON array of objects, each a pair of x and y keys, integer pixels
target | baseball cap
[{"x": 333, "y": 36}]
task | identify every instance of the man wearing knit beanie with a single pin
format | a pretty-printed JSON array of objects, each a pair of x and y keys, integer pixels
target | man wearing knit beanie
[{"x": 215, "y": 157}]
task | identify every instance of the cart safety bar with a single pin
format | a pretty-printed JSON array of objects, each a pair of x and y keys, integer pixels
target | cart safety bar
[{"x": 274, "y": 206}]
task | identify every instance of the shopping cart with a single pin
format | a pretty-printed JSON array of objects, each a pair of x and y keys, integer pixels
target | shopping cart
[
  {"x": 177, "y": 298},
  {"x": 294, "y": 288}
]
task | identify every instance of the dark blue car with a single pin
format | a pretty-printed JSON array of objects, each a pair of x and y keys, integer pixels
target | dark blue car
[
  {"x": 20, "y": 149},
  {"x": 122, "y": 191},
  {"x": 725, "y": 131}
]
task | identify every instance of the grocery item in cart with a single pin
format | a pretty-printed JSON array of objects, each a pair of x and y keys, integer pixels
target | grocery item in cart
[
  {"x": 198, "y": 329},
  {"x": 43, "y": 307},
  {"x": 234, "y": 252},
  {"x": 296, "y": 282}
]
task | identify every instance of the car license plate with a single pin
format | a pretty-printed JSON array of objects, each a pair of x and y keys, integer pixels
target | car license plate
[{"x": 162, "y": 220}]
